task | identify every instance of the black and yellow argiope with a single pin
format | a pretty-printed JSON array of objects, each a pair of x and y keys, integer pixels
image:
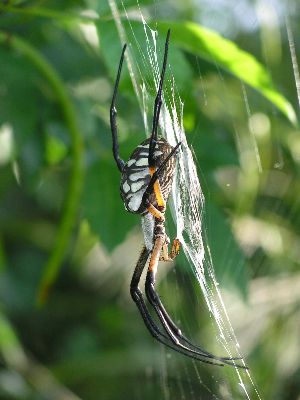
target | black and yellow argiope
[{"x": 146, "y": 181}]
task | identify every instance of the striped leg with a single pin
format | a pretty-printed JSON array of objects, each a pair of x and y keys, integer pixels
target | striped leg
[
  {"x": 154, "y": 187},
  {"x": 113, "y": 116},
  {"x": 151, "y": 325},
  {"x": 173, "y": 333},
  {"x": 157, "y": 105}
]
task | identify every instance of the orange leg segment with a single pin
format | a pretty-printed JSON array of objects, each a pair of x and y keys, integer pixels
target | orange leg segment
[
  {"x": 166, "y": 256},
  {"x": 157, "y": 191},
  {"x": 159, "y": 242},
  {"x": 156, "y": 213}
]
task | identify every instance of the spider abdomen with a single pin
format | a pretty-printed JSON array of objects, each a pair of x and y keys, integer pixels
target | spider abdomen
[{"x": 136, "y": 175}]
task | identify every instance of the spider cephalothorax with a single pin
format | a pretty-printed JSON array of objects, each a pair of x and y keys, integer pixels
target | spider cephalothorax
[{"x": 146, "y": 181}]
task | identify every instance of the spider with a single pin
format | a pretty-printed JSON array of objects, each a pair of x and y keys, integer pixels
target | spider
[{"x": 146, "y": 181}]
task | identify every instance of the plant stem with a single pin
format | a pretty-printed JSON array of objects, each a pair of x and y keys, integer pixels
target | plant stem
[{"x": 74, "y": 189}]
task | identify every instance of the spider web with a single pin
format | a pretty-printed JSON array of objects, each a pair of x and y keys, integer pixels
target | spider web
[{"x": 187, "y": 206}]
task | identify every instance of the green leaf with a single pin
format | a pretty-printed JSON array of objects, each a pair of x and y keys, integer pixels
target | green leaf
[
  {"x": 24, "y": 104},
  {"x": 75, "y": 184},
  {"x": 10, "y": 346},
  {"x": 104, "y": 8},
  {"x": 56, "y": 150},
  {"x": 102, "y": 204},
  {"x": 143, "y": 69},
  {"x": 228, "y": 259},
  {"x": 209, "y": 45}
]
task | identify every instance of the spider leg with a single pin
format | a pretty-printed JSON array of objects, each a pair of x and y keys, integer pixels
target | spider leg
[
  {"x": 157, "y": 104},
  {"x": 154, "y": 211},
  {"x": 173, "y": 332},
  {"x": 166, "y": 256},
  {"x": 113, "y": 115},
  {"x": 151, "y": 325},
  {"x": 177, "y": 332},
  {"x": 153, "y": 186}
]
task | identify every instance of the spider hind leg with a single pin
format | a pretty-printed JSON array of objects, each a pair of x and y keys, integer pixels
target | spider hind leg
[
  {"x": 173, "y": 332},
  {"x": 149, "y": 322}
]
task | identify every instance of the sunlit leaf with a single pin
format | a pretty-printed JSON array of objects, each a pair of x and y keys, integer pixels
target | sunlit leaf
[
  {"x": 211, "y": 46},
  {"x": 111, "y": 47},
  {"x": 55, "y": 149}
]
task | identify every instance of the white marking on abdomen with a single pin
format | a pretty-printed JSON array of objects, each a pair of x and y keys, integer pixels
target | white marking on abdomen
[
  {"x": 126, "y": 187},
  {"x": 135, "y": 186},
  {"x": 142, "y": 162},
  {"x": 139, "y": 175},
  {"x": 135, "y": 201},
  {"x": 131, "y": 162}
]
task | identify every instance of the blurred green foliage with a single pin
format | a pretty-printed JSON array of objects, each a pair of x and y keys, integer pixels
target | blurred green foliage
[{"x": 63, "y": 225}]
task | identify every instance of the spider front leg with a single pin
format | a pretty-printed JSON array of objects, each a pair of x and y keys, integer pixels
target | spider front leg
[
  {"x": 113, "y": 116},
  {"x": 154, "y": 187},
  {"x": 157, "y": 105}
]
